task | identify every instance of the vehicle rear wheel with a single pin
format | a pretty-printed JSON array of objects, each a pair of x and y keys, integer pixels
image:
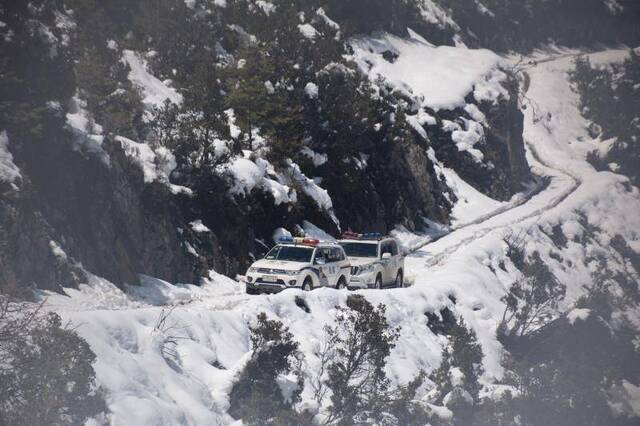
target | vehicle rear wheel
[
  {"x": 307, "y": 285},
  {"x": 378, "y": 284},
  {"x": 342, "y": 283},
  {"x": 399, "y": 279}
]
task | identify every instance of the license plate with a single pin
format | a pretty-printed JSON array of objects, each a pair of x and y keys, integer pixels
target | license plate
[{"x": 269, "y": 279}]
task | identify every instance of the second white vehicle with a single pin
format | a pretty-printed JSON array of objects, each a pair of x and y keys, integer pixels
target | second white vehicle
[{"x": 376, "y": 261}]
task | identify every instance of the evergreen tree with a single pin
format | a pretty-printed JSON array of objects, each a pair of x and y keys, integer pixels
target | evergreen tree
[
  {"x": 256, "y": 397},
  {"x": 46, "y": 376}
]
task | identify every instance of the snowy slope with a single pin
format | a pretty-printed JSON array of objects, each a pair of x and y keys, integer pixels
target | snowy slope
[
  {"x": 441, "y": 75},
  {"x": 211, "y": 322}
]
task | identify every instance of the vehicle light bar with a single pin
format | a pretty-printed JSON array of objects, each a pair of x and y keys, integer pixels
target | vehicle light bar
[
  {"x": 310, "y": 241},
  {"x": 366, "y": 236},
  {"x": 371, "y": 236},
  {"x": 298, "y": 240}
]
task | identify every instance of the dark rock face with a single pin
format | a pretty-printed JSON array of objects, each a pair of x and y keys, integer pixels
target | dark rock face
[
  {"x": 504, "y": 168},
  {"x": 105, "y": 219},
  {"x": 398, "y": 186}
]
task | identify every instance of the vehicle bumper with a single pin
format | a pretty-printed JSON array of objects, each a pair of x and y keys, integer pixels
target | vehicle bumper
[
  {"x": 258, "y": 283},
  {"x": 361, "y": 281}
]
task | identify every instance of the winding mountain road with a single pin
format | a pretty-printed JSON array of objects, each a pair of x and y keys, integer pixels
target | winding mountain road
[{"x": 553, "y": 187}]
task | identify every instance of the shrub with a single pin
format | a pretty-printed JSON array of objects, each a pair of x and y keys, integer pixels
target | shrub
[
  {"x": 257, "y": 397},
  {"x": 532, "y": 299},
  {"x": 46, "y": 371},
  {"x": 354, "y": 358},
  {"x": 456, "y": 379}
]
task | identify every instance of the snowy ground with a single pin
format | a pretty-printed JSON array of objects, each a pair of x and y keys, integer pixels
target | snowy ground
[{"x": 468, "y": 264}]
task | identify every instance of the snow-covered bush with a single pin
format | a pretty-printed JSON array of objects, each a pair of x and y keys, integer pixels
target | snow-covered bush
[
  {"x": 356, "y": 384},
  {"x": 271, "y": 382},
  {"x": 532, "y": 299},
  {"x": 456, "y": 379},
  {"x": 46, "y": 372}
]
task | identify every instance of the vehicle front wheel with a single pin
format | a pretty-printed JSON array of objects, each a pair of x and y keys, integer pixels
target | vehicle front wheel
[
  {"x": 378, "y": 284},
  {"x": 307, "y": 285},
  {"x": 399, "y": 279},
  {"x": 342, "y": 283}
]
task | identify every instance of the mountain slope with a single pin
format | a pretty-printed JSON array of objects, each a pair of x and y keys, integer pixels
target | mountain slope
[{"x": 467, "y": 272}]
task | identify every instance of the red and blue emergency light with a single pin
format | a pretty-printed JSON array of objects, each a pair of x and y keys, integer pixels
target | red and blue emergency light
[
  {"x": 366, "y": 236},
  {"x": 298, "y": 240}
]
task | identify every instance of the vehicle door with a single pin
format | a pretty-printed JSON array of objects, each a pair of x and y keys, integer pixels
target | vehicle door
[
  {"x": 387, "y": 262},
  {"x": 339, "y": 262},
  {"x": 397, "y": 259},
  {"x": 333, "y": 265},
  {"x": 326, "y": 266}
]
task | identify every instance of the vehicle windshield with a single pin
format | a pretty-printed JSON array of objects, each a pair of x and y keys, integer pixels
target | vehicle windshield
[
  {"x": 290, "y": 253},
  {"x": 360, "y": 249}
]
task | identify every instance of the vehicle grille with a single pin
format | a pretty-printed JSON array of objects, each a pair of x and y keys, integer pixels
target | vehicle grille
[
  {"x": 271, "y": 271},
  {"x": 270, "y": 283}
]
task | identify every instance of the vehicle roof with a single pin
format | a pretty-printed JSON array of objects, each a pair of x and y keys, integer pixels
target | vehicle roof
[
  {"x": 321, "y": 244},
  {"x": 376, "y": 241}
]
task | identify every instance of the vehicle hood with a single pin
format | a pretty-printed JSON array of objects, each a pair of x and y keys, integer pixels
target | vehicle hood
[
  {"x": 279, "y": 264},
  {"x": 359, "y": 261}
]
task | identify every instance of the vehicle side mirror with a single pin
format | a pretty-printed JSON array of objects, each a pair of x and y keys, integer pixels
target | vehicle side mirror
[
  {"x": 386, "y": 255},
  {"x": 320, "y": 261}
]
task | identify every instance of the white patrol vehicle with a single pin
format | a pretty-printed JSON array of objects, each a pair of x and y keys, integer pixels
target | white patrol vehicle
[
  {"x": 299, "y": 263},
  {"x": 376, "y": 261}
]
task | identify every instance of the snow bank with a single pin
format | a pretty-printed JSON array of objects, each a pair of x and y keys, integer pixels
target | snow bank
[
  {"x": 317, "y": 159},
  {"x": 311, "y": 89},
  {"x": 198, "y": 226},
  {"x": 247, "y": 174},
  {"x": 155, "y": 165},
  {"x": 267, "y": 7},
  {"x": 87, "y": 135},
  {"x": 432, "y": 13},
  {"x": 154, "y": 91},
  {"x": 471, "y": 203},
  {"x": 442, "y": 75},
  {"x": 308, "y": 31},
  {"x": 189, "y": 383},
  {"x": 466, "y": 139},
  {"x": 9, "y": 172},
  {"x": 328, "y": 21},
  {"x": 319, "y": 195},
  {"x": 578, "y": 314}
]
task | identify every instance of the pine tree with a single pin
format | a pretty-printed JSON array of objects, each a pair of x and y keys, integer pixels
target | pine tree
[{"x": 256, "y": 397}]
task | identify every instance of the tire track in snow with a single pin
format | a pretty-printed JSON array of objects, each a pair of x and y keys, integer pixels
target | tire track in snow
[
  {"x": 440, "y": 257},
  {"x": 575, "y": 180}
]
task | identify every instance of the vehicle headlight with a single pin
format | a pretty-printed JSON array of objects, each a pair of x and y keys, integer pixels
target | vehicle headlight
[
  {"x": 291, "y": 273},
  {"x": 365, "y": 269},
  {"x": 252, "y": 269}
]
